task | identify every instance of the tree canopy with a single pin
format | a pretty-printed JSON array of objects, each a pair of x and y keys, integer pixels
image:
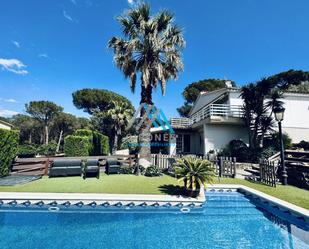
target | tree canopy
[
  {"x": 151, "y": 46},
  {"x": 192, "y": 91},
  {"x": 92, "y": 99},
  {"x": 45, "y": 112}
]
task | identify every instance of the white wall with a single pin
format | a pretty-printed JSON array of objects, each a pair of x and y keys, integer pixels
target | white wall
[
  {"x": 296, "y": 119},
  {"x": 217, "y": 136},
  {"x": 3, "y": 126},
  {"x": 235, "y": 99}
]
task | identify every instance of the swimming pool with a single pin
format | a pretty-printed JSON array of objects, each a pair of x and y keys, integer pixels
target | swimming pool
[{"x": 229, "y": 219}]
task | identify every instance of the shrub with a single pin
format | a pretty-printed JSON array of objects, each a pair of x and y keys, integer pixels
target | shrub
[
  {"x": 8, "y": 150},
  {"x": 268, "y": 152},
  {"x": 238, "y": 149},
  {"x": 273, "y": 141},
  {"x": 153, "y": 171},
  {"x": 76, "y": 146},
  {"x": 303, "y": 144},
  {"x": 195, "y": 172},
  {"x": 99, "y": 143},
  {"x": 47, "y": 149},
  {"x": 126, "y": 170},
  {"x": 83, "y": 133},
  {"x": 26, "y": 151}
]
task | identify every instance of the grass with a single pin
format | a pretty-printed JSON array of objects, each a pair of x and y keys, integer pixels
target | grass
[
  {"x": 130, "y": 184},
  {"x": 297, "y": 196},
  {"x": 119, "y": 184}
]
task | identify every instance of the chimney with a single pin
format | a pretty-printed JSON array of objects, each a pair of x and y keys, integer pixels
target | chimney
[{"x": 228, "y": 84}]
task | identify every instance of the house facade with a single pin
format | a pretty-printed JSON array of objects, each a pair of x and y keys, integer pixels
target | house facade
[
  {"x": 5, "y": 125},
  {"x": 216, "y": 118}
]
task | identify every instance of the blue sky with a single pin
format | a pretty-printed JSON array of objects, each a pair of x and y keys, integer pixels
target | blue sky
[{"x": 49, "y": 49}]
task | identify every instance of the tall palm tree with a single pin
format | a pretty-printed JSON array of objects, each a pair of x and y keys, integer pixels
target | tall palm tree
[
  {"x": 151, "y": 49},
  {"x": 120, "y": 114}
]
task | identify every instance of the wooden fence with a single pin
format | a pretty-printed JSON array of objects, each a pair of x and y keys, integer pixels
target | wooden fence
[
  {"x": 40, "y": 166},
  {"x": 268, "y": 172},
  {"x": 223, "y": 166}
]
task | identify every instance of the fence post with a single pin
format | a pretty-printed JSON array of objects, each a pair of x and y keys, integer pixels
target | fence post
[
  {"x": 46, "y": 166},
  {"x": 220, "y": 166}
]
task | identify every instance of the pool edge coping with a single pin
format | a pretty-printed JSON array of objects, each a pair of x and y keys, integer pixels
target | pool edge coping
[
  {"x": 274, "y": 200},
  {"x": 113, "y": 199}
]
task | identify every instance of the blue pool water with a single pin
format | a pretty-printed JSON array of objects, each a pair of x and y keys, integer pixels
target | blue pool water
[{"x": 228, "y": 220}]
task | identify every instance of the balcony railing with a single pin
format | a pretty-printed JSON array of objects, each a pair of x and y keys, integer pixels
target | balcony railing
[
  {"x": 180, "y": 122},
  {"x": 214, "y": 110},
  {"x": 221, "y": 110}
]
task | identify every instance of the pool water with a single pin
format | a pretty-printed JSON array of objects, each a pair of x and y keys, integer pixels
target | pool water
[{"x": 228, "y": 220}]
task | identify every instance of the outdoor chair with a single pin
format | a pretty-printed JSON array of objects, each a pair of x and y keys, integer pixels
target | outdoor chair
[
  {"x": 112, "y": 166},
  {"x": 92, "y": 168},
  {"x": 68, "y": 167}
]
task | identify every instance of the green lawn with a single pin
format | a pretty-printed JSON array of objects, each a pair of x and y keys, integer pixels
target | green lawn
[
  {"x": 297, "y": 196},
  {"x": 130, "y": 184},
  {"x": 120, "y": 184}
]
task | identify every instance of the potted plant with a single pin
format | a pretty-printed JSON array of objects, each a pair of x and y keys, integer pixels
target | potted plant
[{"x": 195, "y": 173}]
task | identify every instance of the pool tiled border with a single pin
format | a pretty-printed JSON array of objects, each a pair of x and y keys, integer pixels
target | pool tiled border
[
  {"x": 298, "y": 211},
  {"x": 81, "y": 199}
]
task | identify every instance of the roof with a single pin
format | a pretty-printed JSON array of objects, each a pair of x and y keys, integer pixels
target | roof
[
  {"x": 6, "y": 123},
  {"x": 209, "y": 97}
]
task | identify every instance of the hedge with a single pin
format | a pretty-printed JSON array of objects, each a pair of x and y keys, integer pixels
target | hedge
[
  {"x": 26, "y": 151},
  {"x": 8, "y": 149},
  {"x": 99, "y": 142},
  {"x": 47, "y": 149},
  {"x": 76, "y": 146}
]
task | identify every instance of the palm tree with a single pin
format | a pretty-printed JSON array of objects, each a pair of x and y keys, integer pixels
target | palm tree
[
  {"x": 120, "y": 114},
  {"x": 194, "y": 172},
  {"x": 151, "y": 49}
]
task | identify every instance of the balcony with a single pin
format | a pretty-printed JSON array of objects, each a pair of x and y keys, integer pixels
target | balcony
[
  {"x": 218, "y": 113},
  {"x": 180, "y": 122},
  {"x": 215, "y": 113}
]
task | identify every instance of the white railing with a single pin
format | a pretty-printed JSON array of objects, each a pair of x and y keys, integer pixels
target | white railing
[
  {"x": 180, "y": 122},
  {"x": 221, "y": 110}
]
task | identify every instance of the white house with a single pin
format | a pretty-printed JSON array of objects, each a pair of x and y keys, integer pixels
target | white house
[
  {"x": 5, "y": 125},
  {"x": 216, "y": 118}
]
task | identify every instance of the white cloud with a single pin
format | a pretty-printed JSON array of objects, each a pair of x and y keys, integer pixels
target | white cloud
[
  {"x": 67, "y": 16},
  {"x": 7, "y": 113},
  {"x": 11, "y": 100},
  {"x": 131, "y": 1},
  {"x": 16, "y": 43},
  {"x": 13, "y": 65},
  {"x": 43, "y": 56},
  {"x": 74, "y": 2}
]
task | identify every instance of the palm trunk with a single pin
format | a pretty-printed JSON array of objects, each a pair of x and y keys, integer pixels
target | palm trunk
[
  {"x": 144, "y": 134},
  {"x": 115, "y": 144},
  {"x": 59, "y": 141}
]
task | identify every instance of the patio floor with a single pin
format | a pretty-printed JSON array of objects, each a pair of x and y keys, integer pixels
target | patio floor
[{"x": 16, "y": 180}]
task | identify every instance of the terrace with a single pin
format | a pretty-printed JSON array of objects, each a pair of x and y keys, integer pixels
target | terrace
[{"x": 214, "y": 113}]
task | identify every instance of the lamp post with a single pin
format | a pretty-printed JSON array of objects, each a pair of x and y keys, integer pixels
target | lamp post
[{"x": 279, "y": 115}]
